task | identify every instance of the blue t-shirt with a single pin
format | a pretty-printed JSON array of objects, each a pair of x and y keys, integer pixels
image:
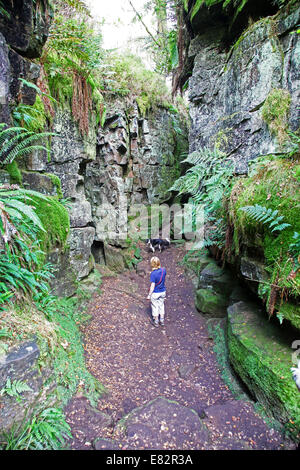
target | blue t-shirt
[{"x": 155, "y": 277}]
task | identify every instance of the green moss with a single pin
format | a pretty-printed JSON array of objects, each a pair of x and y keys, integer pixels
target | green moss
[
  {"x": 40, "y": 119},
  {"x": 275, "y": 112},
  {"x": 238, "y": 47},
  {"x": 60, "y": 84},
  {"x": 220, "y": 141},
  {"x": 14, "y": 173},
  {"x": 167, "y": 176},
  {"x": 218, "y": 332},
  {"x": 69, "y": 361},
  {"x": 57, "y": 183},
  {"x": 297, "y": 172},
  {"x": 144, "y": 103},
  {"x": 210, "y": 302},
  {"x": 273, "y": 186},
  {"x": 290, "y": 312},
  {"x": 55, "y": 220},
  {"x": 261, "y": 355}
]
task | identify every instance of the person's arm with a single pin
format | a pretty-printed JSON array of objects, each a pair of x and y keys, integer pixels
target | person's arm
[{"x": 151, "y": 289}]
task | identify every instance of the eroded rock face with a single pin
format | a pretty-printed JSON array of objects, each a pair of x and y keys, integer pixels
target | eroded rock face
[
  {"x": 23, "y": 34},
  {"x": 133, "y": 159},
  {"x": 4, "y": 81},
  {"x": 136, "y": 162},
  {"x": 228, "y": 90},
  {"x": 26, "y": 26}
]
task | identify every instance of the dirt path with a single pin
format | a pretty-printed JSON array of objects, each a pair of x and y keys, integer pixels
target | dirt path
[{"x": 138, "y": 363}]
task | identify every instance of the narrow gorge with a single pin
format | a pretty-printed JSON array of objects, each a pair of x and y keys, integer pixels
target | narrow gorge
[{"x": 92, "y": 144}]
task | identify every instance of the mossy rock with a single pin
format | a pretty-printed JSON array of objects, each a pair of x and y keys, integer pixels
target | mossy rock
[
  {"x": 45, "y": 183},
  {"x": 260, "y": 353},
  {"x": 195, "y": 263},
  {"x": 272, "y": 184},
  {"x": 210, "y": 302},
  {"x": 161, "y": 422},
  {"x": 223, "y": 284},
  {"x": 114, "y": 258},
  {"x": 211, "y": 271},
  {"x": 55, "y": 220},
  {"x": 290, "y": 312},
  {"x": 14, "y": 173}
]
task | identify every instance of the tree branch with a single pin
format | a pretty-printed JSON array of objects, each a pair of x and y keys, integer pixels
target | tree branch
[{"x": 143, "y": 23}]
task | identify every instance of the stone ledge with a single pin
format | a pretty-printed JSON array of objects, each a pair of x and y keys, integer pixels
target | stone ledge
[
  {"x": 260, "y": 353},
  {"x": 21, "y": 363}
]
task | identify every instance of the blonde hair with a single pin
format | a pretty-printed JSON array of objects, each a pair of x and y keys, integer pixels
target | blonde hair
[{"x": 155, "y": 263}]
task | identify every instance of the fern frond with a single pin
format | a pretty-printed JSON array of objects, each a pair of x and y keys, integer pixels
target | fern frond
[
  {"x": 265, "y": 216},
  {"x": 19, "y": 144},
  {"x": 26, "y": 211}
]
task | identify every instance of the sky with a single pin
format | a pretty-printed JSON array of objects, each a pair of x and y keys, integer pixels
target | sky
[{"x": 118, "y": 14}]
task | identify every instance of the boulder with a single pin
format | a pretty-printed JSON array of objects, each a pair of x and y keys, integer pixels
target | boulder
[
  {"x": 64, "y": 283},
  {"x": 159, "y": 422},
  {"x": 40, "y": 182},
  {"x": 114, "y": 258},
  {"x": 253, "y": 271},
  {"x": 211, "y": 271},
  {"x": 217, "y": 279},
  {"x": 21, "y": 364},
  {"x": 260, "y": 353},
  {"x": 80, "y": 242},
  {"x": 80, "y": 213},
  {"x": 210, "y": 302}
]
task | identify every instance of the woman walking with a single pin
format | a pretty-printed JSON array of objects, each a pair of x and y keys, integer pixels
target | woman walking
[{"x": 157, "y": 293}]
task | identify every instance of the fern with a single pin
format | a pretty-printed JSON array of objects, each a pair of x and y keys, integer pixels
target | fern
[
  {"x": 14, "y": 208},
  {"x": 266, "y": 216},
  {"x": 237, "y": 5},
  {"x": 4, "y": 12},
  {"x": 208, "y": 179},
  {"x": 208, "y": 182},
  {"x": 294, "y": 249},
  {"x": 15, "y": 388},
  {"x": 27, "y": 116},
  {"x": 17, "y": 141},
  {"x": 46, "y": 431}
]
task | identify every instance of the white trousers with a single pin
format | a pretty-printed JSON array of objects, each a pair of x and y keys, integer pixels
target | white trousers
[{"x": 158, "y": 305}]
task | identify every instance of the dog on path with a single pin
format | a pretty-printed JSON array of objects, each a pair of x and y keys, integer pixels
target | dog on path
[{"x": 159, "y": 243}]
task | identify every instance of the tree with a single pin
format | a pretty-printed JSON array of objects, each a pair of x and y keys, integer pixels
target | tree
[{"x": 163, "y": 42}]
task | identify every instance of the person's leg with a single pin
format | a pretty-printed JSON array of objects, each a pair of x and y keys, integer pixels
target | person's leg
[
  {"x": 162, "y": 308},
  {"x": 155, "y": 307}
]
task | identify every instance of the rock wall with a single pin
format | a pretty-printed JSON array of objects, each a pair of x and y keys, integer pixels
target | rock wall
[
  {"x": 22, "y": 37},
  {"x": 228, "y": 89},
  {"x": 133, "y": 158}
]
